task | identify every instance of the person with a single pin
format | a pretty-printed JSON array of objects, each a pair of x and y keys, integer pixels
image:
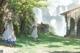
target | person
[
  {"x": 34, "y": 32},
  {"x": 8, "y": 35}
]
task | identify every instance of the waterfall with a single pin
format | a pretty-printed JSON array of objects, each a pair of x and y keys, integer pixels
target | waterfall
[
  {"x": 38, "y": 20},
  {"x": 56, "y": 7},
  {"x": 51, "y": 15}
]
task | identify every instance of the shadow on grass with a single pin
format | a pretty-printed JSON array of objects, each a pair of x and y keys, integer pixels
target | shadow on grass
[
  {"x": 50, "y": 46},
  {"x": 45, "y": 39},
  {"x": 77, "y": 48},
  {"x": 25, "y": 41},
  {"x": 50, "y": 38},
  {"x": 63, "y": 52},
  {"x": 71, "y": 42},
  {"x": 3, "y": 44}
]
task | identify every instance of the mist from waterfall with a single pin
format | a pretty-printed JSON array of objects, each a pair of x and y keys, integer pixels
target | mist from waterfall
[{"x": 51, "y": 15}]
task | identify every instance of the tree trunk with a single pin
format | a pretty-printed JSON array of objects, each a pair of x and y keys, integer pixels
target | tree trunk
[{"x": 2, "y": 7}]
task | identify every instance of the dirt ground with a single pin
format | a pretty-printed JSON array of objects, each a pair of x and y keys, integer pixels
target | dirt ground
[{"x": 6, "y": 49}]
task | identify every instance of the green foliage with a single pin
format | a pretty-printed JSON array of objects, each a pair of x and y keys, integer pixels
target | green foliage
[
  {"x": 41, "y": 4},
  {"x": 23, "y": 15}
]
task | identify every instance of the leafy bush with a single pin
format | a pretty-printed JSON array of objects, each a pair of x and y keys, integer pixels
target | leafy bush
[{"x": 23, "y": 17}]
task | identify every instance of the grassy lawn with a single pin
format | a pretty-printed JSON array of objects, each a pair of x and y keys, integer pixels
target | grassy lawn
[{"x": 48, "y": 43}]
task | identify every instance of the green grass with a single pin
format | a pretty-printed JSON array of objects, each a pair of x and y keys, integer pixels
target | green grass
[{"x": 47, "y": 43}]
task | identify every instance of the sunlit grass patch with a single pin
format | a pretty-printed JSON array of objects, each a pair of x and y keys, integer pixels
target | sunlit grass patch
[{"x": 47, "y": 43}]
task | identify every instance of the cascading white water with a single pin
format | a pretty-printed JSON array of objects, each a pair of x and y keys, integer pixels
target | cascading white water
[{"x": 51, "y": 15}]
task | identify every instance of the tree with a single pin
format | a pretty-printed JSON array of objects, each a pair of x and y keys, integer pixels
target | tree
[
  {"x": 21, "y": 14},
  {"x": 2, "y": 14}
]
